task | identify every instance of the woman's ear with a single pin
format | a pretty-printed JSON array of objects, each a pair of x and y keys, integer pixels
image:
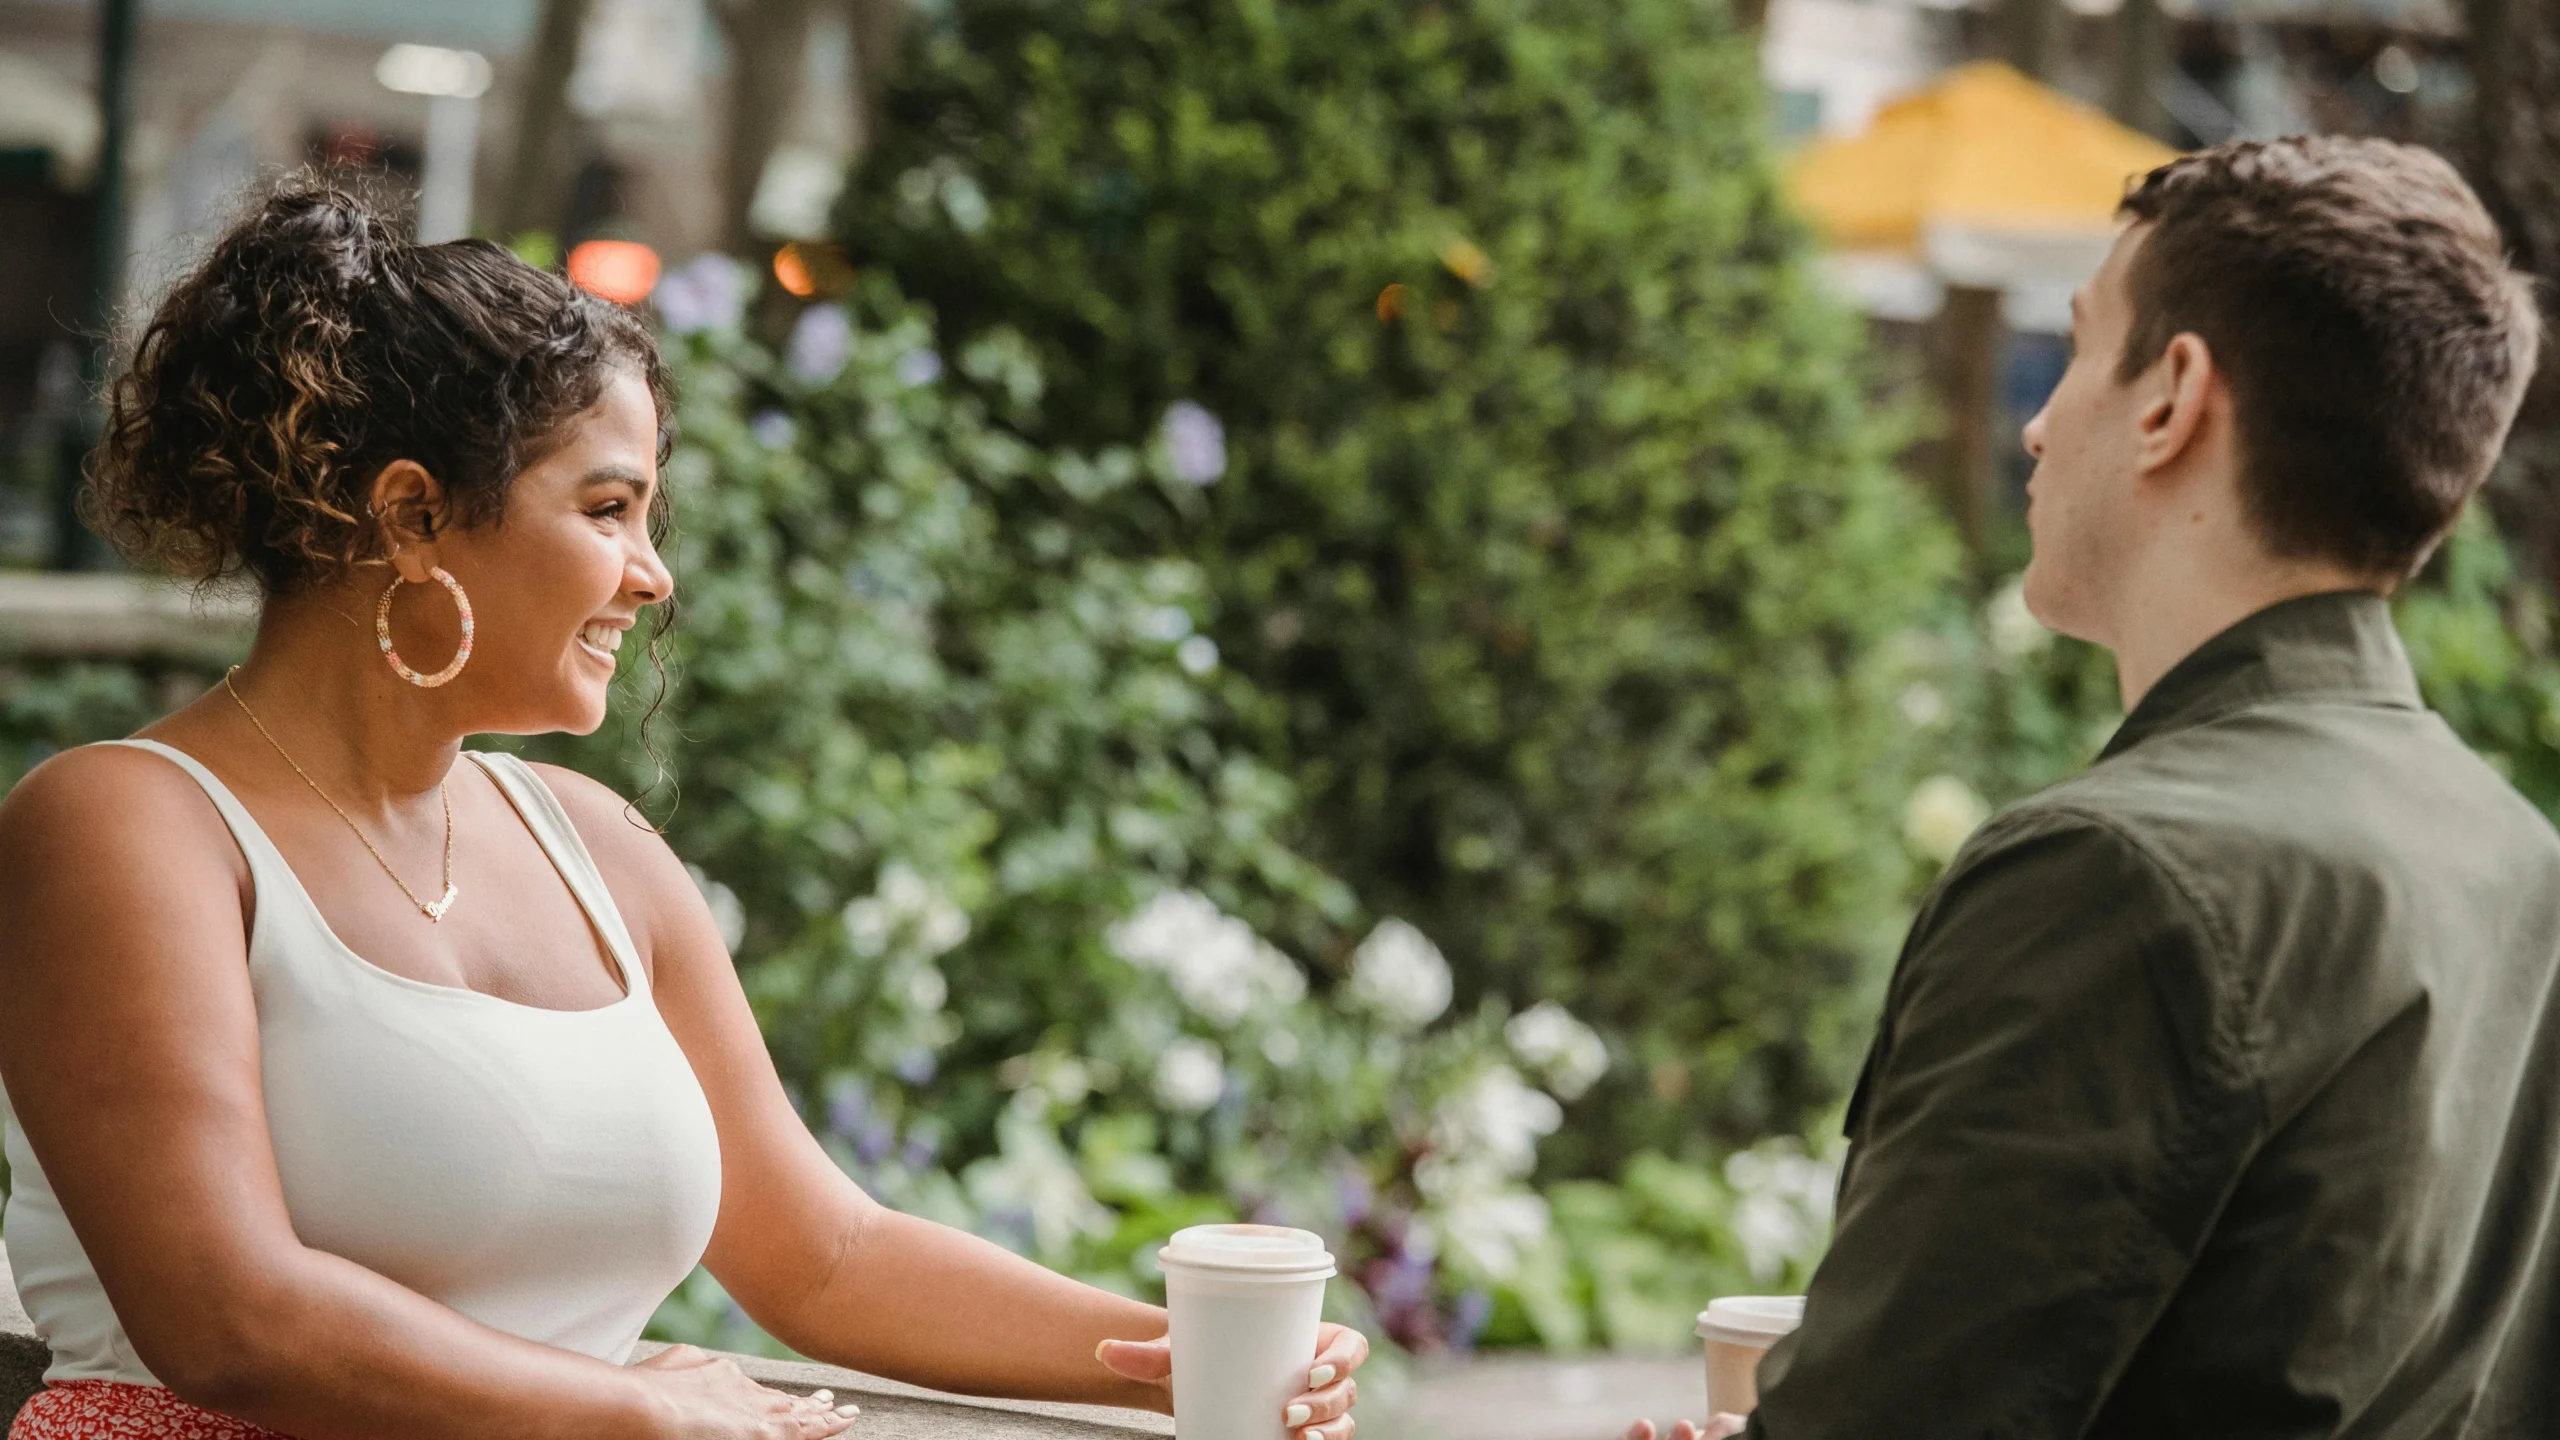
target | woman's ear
[{"x": 410, "y": 510}]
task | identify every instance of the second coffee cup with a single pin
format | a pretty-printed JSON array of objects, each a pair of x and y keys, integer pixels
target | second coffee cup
[
  {"x": 1739, "y": 1329},
  {"x": 1244, "y": 1303}
]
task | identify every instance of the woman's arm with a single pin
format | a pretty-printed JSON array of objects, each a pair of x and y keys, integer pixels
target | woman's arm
[
  {"x": 129, "y": 1047},
  {"x": 823, "y": 1267}
]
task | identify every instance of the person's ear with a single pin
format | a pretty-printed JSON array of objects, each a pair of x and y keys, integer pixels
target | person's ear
[
  {"x": 409, "y": 509},
  {"x": 2177, "y": 396}
]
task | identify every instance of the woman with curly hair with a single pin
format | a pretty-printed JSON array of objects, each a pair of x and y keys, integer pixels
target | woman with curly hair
[{"x": 358, "y": 1084}]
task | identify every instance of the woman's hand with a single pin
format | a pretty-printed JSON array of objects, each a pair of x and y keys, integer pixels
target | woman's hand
[
  {"x": 1323, "y": 1412},
  {"x": 1722, "y": 1427},
  {"x": 707, "y": 1397}
]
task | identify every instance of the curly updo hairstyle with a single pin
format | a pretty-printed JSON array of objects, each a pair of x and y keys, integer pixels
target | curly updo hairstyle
[{"x": 312, "y": 347}]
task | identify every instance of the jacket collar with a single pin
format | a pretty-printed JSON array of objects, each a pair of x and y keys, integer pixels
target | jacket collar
[{"x": 2336, "y": 647}]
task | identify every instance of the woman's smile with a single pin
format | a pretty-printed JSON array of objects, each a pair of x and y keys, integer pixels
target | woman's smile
[{"x": 601, "y": 639}]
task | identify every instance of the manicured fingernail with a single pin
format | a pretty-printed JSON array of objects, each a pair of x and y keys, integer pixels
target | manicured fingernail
[
  {"x": 848, "y": 1410},
  {"x": 822, "y": 1396},
  {"x": 1297, "y": 1415},
  {"x": 1311, "y": 1433},
  {"x": 1319, "y": 1377}
]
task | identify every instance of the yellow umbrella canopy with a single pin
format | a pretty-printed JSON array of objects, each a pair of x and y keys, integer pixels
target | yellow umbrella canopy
[{"x": 1985, "y": 149}]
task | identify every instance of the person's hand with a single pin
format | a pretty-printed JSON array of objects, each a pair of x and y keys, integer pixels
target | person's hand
[
  {"x": 1722, "y": 1427},
  {"x": 1323, "y": 1412},
  {"x": 707, "y": 1397}
]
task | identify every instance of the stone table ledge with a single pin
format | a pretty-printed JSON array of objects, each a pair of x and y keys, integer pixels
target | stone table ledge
[{"x": 890, "y": 1410}]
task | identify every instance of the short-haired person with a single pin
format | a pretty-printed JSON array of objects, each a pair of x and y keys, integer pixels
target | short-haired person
[
  {"x": 359, "y": 1085},
  {"x": 2217, "y": 1092}
]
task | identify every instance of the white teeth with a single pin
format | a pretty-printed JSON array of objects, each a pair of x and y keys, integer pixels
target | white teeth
[{"x": 601, "y": 637}]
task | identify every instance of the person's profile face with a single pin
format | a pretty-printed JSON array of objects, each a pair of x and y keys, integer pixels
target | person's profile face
[
  {"x": 2084, "y": 445},
  {"x": 560, "y": 583}
]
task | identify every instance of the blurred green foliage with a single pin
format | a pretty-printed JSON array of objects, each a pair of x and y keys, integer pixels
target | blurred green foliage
[
  {"x": 1538, "y": 494},
  {"x": 961, "y": 776}
]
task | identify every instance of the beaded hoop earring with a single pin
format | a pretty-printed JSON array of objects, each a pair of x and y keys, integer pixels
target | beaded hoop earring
[{"x": 382, "y": 632}]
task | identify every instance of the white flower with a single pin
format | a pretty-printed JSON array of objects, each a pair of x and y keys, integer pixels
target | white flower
[
  {"x": 1398, "y": 973},
  {"x": 919, "y": 367},
  {"x": 708, "y": 292},
  {"x": 1215, "y": 962},
  {"x": 1198, "y": 654},
  {"x": 927, "y": 990},
  {"x": 1033, "y": 1173},
  {"x": 2014, "y": 630},
  {"x": 726, "y": 912},
  {"x": 1782, "y": 1204},
  {"x": 1485, "y": 1231},
  {"x": 1498, "y": 1120},
  {"x": 821, "y": 341},
  {"x": 1280, "y": 1047},
  {"x": 906, "y": 904},
  {"x": 1567, "y": 1053},
  {"x": 1941, "y": 813},
  {"x": 1197, "y": 442},
  {"x": 1190, "y": 1076}
]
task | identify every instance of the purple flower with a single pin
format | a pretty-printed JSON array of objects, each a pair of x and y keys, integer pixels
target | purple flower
[
  {"x": 873, "y": 1142},
  {"x": 919, "y": 1152},
  {"x": 917, "y": 1066},
  {"x": 1197, "y": 443},
  {"x": 848, "y": 1107},
  {"x": 1468, "y": 1317},
  {"x": 708, "y": 292},
  {"x": 919, "y": 367},
  {"x": 1353, "y": 1192},
  {"x": 821, "y": 341}
]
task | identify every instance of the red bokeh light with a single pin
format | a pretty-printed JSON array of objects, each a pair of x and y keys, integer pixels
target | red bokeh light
[{"x": 622, "y": 271}]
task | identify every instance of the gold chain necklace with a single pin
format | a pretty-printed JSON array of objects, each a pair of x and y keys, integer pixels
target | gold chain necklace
[{"x": 433, "y": 910}]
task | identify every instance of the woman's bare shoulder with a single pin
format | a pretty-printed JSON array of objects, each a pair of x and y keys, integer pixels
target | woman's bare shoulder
[
  {"x": 638, "y": 866},
  {"x": 117, "y": 835},
  {"x": 106, "y": 795}
]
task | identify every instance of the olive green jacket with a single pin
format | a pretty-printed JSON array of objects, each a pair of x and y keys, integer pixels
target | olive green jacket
[{"x": 2218, "y": 1089}]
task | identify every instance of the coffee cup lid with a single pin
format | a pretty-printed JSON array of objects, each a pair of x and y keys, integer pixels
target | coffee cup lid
[
  {"x": 1273, "y": 1251},
  {"x": 1750, "y": 1319}
]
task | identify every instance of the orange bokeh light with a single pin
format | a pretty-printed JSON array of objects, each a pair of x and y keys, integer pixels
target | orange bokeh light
[
  {"x": 791, "y": 268},
  {"x": 622, "y": 271},
  {"x": 1391, "y": 302}
]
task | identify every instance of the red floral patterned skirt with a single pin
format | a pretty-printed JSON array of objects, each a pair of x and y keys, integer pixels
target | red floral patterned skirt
[{"x": 112, "y": 1410}]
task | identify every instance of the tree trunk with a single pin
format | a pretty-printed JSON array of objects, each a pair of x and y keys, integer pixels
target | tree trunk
[
  {"x": 768, "y": 48},
  {"x": 2031, "y": 36},
  {"x": 879, "y": 31},
  {"x": 2141, "y": 59},
  {"x": 1970, "y": 330},
  {"x": 534, "y": 193},
  {"x": 2515, "y": 57}
]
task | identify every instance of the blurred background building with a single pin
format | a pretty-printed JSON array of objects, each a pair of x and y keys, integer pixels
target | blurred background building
[{"x": 689, "y": 125}]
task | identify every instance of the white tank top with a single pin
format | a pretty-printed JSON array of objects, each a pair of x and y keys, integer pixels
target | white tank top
[{"x": 549, "y": 1173}]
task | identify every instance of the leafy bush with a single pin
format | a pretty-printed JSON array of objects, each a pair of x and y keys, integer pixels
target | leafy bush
[
  {"x": 1537, "y": 493},
  {"x": 956, "y": 772}
]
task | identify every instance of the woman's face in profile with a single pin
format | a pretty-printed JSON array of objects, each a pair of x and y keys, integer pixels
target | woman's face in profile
[{"x": 559, "y": 583}]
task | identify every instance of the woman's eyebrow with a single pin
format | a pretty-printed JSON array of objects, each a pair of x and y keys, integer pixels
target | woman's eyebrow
[{"x": 615, "y": 475}]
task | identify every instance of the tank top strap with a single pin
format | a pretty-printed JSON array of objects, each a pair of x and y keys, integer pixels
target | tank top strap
[
  {"x": 553, "y": 830},
  {"x": 266, "y": 862}
]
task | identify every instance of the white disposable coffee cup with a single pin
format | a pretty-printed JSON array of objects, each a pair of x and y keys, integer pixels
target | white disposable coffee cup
[
  {"x": 1739, "y": 1329},
  {"x": 1245, "y": 1301}
]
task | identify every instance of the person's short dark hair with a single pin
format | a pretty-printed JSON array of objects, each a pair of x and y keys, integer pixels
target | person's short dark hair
[
  {"x": 2358, "y": 299},
  {"x": 313, "y": 346}
]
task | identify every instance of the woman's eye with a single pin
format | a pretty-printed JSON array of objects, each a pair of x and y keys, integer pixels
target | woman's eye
[{"x": 611, "y": 511}]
